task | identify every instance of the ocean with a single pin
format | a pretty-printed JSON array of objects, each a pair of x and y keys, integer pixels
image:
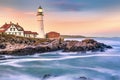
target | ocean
[{"x": 65, "y": 65}]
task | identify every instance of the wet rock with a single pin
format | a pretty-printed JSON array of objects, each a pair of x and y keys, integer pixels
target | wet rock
[
  {"x": 2, "y": 58},
  {"x": 2, "y": 46},
  {"x": 31, "y": 46},
  {"x": 25, "y": 51},
  {"x": 41, "y": 48},
  {"x": 46, "y": 76},
  {"x": 109, "y": 47},
  {"x": 85, "y": 45},
  {"x": 84, "y": 78}
]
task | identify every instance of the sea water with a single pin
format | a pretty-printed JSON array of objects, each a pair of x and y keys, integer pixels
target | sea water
[{"x": 65, "y": 65}]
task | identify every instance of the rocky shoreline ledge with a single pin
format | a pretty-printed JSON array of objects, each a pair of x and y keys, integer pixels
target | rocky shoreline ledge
[
  {"x": 46, "y": 76},
  {"x": 13, "y": 45}
]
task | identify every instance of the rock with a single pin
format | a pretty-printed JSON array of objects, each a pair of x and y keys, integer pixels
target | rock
[
  {"x": 2, "y": 46},
  {"x": 2, "y": 58},
  {"x": 84, "y": 78},
  {"x": 109, "y": 47},
  {"x": 46, "y": 76},
  {"x": 41, "y": 48},
  {"x": 89, "y": 41},
  {"x": 27, "y": 46},
  {"x": 85, "y": 45}
]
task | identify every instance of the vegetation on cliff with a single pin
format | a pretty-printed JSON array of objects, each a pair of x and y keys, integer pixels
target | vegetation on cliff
[
  {"x": 12, "y": 39},
  {"x": 72, "y": 36},
  {"x": 14, "y": 45}
]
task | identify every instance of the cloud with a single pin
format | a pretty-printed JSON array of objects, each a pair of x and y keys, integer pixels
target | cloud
[
  {"x": 80, "y": 5},
  {"x": 60, "y": 5},
  {"x": 25, "y": 5},
  {"x": 68, "y": 5}
]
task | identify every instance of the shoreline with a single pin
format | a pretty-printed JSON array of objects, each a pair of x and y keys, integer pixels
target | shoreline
[{"x": 27, "y": 46}]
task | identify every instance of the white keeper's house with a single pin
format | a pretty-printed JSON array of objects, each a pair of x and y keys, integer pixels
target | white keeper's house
[{"x": 16, "y": 29}]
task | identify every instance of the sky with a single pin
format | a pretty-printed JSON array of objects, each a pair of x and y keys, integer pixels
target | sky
[{"x": 99, "y": 18}]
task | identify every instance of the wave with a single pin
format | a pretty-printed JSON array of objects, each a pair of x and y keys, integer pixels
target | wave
[
  {"x": 102, "y": 70},
  {"x": 65, "y": 77},
  {"x": 27, "y": 77},
  {"x": 13, "y": 61},
  {"x": 23, "y": 76},
  {"x": 18, "y": 77},
  {"x": 111, "y": 72}
]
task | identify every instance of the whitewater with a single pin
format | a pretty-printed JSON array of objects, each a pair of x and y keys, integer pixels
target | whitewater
[{"x": 65, "y": 65}]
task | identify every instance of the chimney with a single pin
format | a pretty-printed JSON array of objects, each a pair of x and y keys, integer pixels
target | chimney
[
  {"x": 10, "y": 22},
  {"x": 17, "y": 23}
]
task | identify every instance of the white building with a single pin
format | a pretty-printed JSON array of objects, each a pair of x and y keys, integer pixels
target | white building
[
  {"x": 16, "y": 29},
  {"x": 40, "y": 28}
]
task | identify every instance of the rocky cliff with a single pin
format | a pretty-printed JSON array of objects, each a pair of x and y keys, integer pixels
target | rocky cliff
[
  {"x": 13, "y": 45},
  {"x": 85, "y": 45}
]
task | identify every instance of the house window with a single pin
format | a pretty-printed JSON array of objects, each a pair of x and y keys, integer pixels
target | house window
[
  {"x": 15, "y": 33},
  {"x": 13, "y": 29},
  {"x": 34, "y": 36},
  {"x": 19, "y": 33},
  {"x": 10, "y": 29}
]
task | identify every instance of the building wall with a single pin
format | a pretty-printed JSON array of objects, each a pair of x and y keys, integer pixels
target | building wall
[
  {"x": 53, "y": 35},
  {"x": 31, "y": 35},
  {"x": 13, "y": 30},
  {"x": 27, "y": 35},
  {"x": 40, "y": 27}
]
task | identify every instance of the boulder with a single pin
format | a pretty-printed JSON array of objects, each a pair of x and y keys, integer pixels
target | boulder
[
  {"x": 85, "y": 45},
  {"x": 84, "y": 78},
  {"x": 2, "y": 46},
  {"x": 46, "y": 76},
  {"x": 2, "y": 57}
]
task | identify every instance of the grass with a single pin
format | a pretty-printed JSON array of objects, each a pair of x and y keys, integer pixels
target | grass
[{"x": 20, "y": 39}]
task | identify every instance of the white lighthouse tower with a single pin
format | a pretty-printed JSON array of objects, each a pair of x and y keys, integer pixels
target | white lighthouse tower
[{"x": 40, "y": 23}]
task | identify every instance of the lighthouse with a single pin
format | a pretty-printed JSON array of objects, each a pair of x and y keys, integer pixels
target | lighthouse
[{"x": 40, "y": 23}]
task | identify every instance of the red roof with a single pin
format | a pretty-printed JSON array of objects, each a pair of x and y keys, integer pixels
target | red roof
[
  {"x": 35, "y": 33},
  {"x": 29, "y": 32},
  {"x": 6, "y": 26},
  {"x": 52, "y": 32},
  {"x": 2, "y": 30}
]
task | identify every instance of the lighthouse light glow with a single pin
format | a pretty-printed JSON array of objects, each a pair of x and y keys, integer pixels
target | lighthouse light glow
[{"x": 40, "y": 10}]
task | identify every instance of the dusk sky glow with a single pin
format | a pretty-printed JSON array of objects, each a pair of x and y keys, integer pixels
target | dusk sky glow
[{"x": 77, "y": 17}]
